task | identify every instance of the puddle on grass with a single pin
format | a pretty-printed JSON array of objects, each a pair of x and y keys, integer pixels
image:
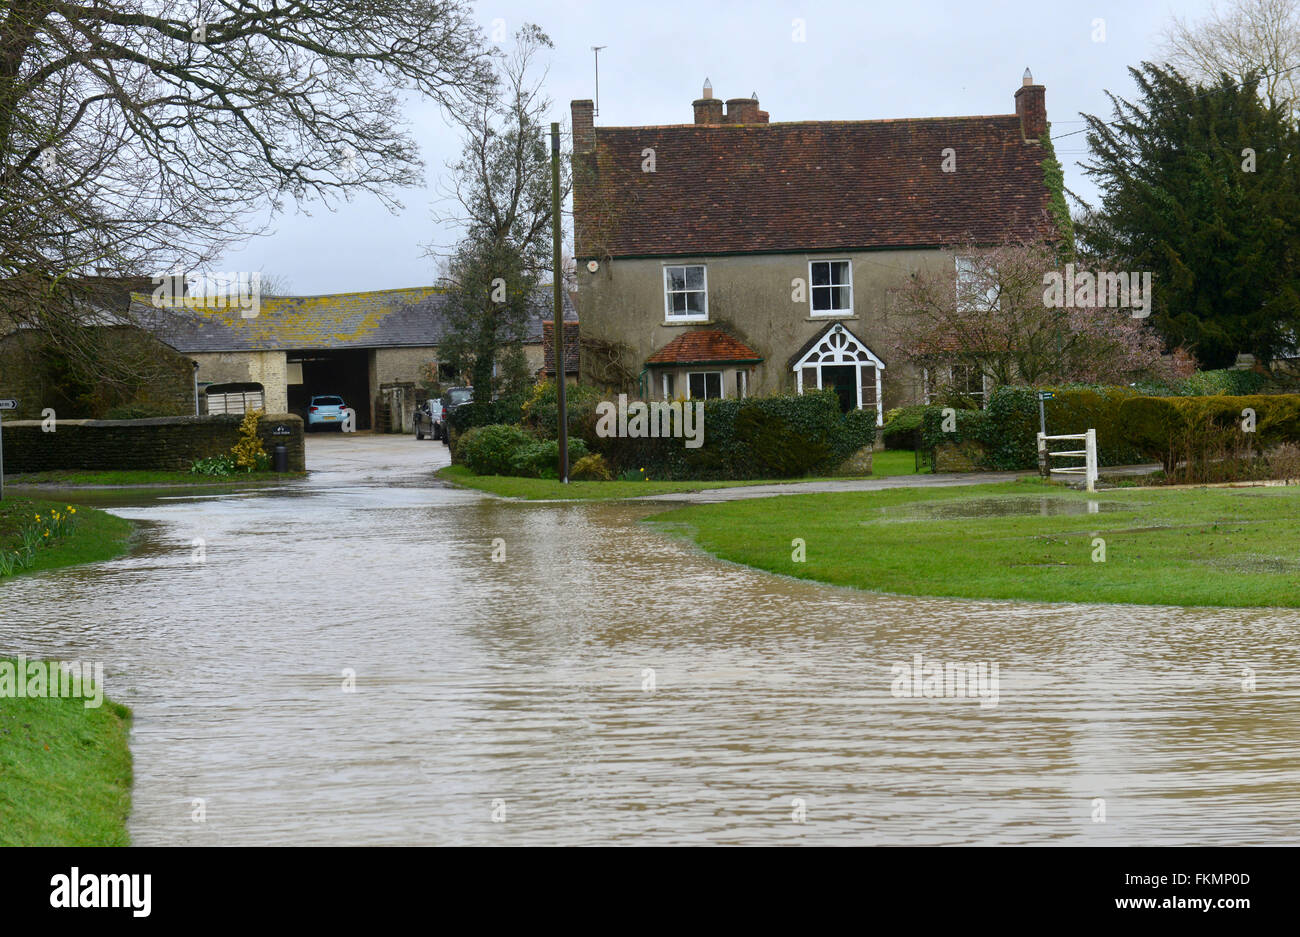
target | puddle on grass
[
  {"x": 1257, "y": 563},
  {"x": 1001, "y": 507}
]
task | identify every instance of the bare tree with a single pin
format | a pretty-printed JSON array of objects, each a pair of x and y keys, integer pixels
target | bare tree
[
  {"x": 990, "y": 316},
  {"x": 500, "y": 197},
  {"x": 1249, "y": 36},
  {"x": 138, "y": 136}
]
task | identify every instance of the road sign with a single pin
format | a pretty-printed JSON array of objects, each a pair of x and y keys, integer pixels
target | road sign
[
  {"x": 9, "y": 404},
  {"x": 281, "y": 430},
  {"x": 1045, "y": 395}
]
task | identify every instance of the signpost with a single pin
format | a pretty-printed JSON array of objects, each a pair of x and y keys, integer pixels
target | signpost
[
  {"x": 1043, "y": 468},
  {"x": 8, "y": 404}
]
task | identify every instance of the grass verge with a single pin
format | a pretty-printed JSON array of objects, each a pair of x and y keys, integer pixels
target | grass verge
[
  {"x": 65, "y": 773},
  {"x": 885, "y": 464},
  {"x": 1021, "y": 540},
  {"x": 73, "y": 478},
  {"x": 99, "y": 535}
]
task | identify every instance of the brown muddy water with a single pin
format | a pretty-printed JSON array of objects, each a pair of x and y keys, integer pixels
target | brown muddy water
[{"x": 603, "y": 684}]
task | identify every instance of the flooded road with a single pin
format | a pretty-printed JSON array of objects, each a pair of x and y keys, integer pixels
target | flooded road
[{"x": 603, "y": 684}]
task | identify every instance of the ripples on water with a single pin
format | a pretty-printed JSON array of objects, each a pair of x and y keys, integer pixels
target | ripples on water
[{"x": 522, "y": 682}]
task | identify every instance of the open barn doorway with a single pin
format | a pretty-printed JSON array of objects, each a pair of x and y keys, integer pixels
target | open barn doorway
[{"x": 344, "y": 373}]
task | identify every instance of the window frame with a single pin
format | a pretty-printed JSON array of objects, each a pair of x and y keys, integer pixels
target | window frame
[
  {"x": 830, "y": 313},
  {"x": 669, "y": 315},
  {"x": 722, "y": 385}
]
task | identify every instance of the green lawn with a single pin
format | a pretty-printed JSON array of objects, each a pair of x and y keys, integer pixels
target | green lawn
[
  {"x": 65, "y": 773},
  {"x": 99, "y": 535},
  {"x": 884, "y": 464},
  {"x": 73, "y": 478},
  {"x": 1022, "y": 540}
]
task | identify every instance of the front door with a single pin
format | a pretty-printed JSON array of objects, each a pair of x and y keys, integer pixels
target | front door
[{"x": 843, "y": 379}]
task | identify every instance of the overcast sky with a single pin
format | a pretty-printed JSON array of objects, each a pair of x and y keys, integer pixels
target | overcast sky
[{"x": 856, "y": 61}]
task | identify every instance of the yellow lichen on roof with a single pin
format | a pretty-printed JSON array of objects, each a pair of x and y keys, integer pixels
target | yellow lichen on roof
[{"x": 306, "y": 321}]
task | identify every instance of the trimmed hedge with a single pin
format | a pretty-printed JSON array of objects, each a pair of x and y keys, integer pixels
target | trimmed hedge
[
  {"x": 754, "y": 437},
  {"x": 1008, "y": 428},
  {"x": 1130, "y": 428},
  {"x": 1163, "y": 427}
]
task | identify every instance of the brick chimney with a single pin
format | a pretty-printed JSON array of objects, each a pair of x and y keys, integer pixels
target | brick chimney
[
  {"x": 1031, "y": 108},
  {"x": 584, "y": 125},
  {"x": 742, "y": 110},
  {"x": 708, "y": 109}
]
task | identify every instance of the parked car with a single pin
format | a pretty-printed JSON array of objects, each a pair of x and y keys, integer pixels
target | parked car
[
  {"x": 454, "y": 397},
  {"x": 326, "y": 410},
  {"x": 428, "y": 420}
]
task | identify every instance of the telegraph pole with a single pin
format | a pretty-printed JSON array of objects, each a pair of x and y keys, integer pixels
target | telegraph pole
[{"x": 558, "y": 278}]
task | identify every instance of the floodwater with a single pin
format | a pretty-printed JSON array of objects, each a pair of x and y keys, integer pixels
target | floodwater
[{"x": 604, "y": 684}]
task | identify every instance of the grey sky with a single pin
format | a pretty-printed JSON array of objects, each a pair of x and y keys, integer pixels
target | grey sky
[{"x": 858, "y": 61}]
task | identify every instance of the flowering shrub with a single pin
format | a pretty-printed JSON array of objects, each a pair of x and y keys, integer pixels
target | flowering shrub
[
  {"x": 214, "y": 465},
  {"x": 43, "y": 530},
  {"x": 248, "y": 452}
]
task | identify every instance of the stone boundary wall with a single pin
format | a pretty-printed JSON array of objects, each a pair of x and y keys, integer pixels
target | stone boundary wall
[{"x": 169, "y": 443}]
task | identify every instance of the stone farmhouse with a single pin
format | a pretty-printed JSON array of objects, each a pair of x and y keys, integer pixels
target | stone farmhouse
[{"x": 735, "y": 255}]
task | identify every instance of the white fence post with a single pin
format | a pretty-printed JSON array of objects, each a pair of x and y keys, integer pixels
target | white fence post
[
  {"x": 1091, "y": 459},
  {"x": 1088, "y": 453}
]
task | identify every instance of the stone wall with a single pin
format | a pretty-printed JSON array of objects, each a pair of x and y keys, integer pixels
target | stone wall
[
  {"x": 968, "y": 456},
  {"x": 162, "y": 444}
]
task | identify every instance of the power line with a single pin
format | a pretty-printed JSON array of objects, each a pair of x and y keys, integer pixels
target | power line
[{"x": 1197, "y": 97}]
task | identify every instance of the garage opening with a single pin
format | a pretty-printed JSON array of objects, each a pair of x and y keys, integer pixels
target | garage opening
[{"x": 319, "y": 373}]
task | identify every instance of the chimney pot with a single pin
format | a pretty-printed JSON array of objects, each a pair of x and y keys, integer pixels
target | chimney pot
[{"x": 708, "y": 88}]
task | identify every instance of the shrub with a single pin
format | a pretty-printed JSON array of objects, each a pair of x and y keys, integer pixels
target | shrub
[
  {"x": 248, "y": 452},
  {"x": 591, "y": 468},
  {"x": 541, "y": 412},
  {"x": 1284, "y": 461},
  {"x": 540, "y": 458},
  {"x": 505, "y": 411},
  {"x": 488, "y": 450},
  {"x": 902, "y": 428}
]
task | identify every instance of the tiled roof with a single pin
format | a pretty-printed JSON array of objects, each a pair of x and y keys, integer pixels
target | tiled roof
[
  {"x": 824, "y": 185},
  {"x": 379, "y": 319},
  {"x": 571, "y": 348},
  {"x": 701, "y": 346}
]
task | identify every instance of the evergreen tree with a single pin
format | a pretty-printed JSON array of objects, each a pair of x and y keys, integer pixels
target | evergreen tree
[{"x": 1201, "y": 186}]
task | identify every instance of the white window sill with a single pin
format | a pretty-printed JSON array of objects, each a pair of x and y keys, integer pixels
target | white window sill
[
  {"x": 693, "y": 320},
  {"x": 833, "y": 314}
]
